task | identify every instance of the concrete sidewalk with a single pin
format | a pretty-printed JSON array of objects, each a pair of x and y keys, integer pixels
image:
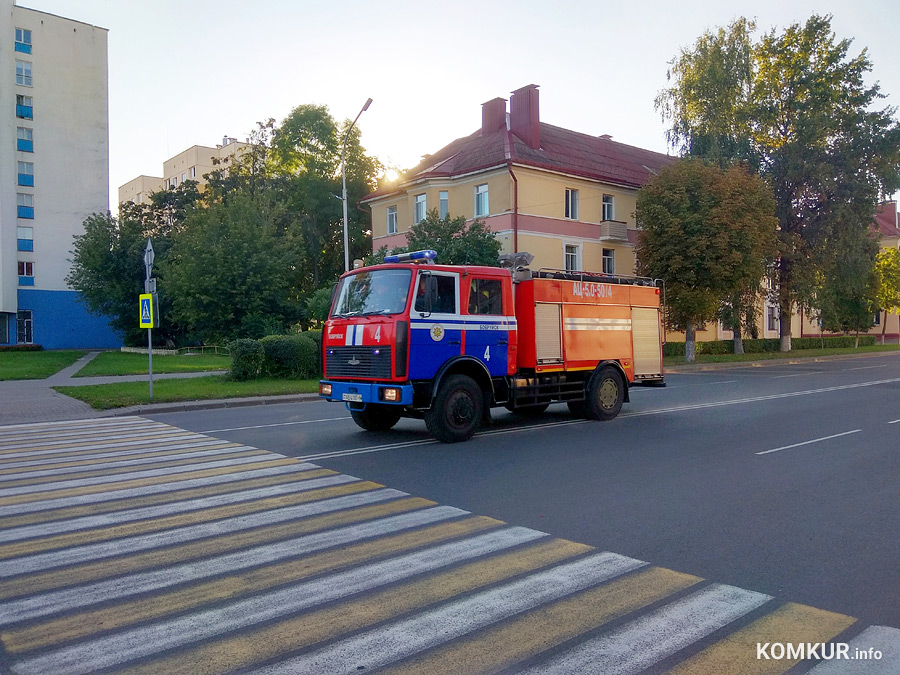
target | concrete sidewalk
[{"x": 29, "y": 401}]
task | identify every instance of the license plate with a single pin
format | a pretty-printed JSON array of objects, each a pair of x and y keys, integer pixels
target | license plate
[{"x": 354, "y": 398}]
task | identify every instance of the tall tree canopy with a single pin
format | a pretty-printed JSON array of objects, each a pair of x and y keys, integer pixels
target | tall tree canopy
[
  {"x": 794, "y": 104},
  {"x": 707, "y": 232}
]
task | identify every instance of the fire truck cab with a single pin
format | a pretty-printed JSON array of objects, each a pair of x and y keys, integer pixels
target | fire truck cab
[{"x": 445, "y": 343}]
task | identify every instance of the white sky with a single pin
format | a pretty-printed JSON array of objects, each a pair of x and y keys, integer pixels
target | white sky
[{"x": 185, "y": 73}]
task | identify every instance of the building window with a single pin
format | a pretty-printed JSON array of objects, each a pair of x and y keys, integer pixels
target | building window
[
  {"x": 26, "y": 273},
  {"x": 193, "y": 172},
  {"x": 444, "y": 203},
  {"x": 771, "y": 318},
  {"x": 482, "y": 205},
  {"x": 420, "y": 209},
  {"x": 25, "y": 238},
  {"x": 609, "y": 261},
  {"x": 175, "y": 182},
  {"x": 24, "y": 327},
  {"x": 183, "y": 177},
  {"x": 4, "y": 329},
  {"x": 609, "y": 210},
  {"x": 23, "y": 40},
  {"x": 23, "y": 73},
  {"x": 25, "y": 205},
  {"x": 24, "y": 139},
  {"x": 572, "y": 204},
  {"x": 571, "y": 256},
  {"x": 24, "y": 107},
  {"x": 392, "y": 220},
  {"x": 26, "y": 173}
]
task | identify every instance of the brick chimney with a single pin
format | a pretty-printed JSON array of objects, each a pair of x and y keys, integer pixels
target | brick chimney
[
  {"x": 493, "y": 116},
  {"x": 524, "y": 115}
]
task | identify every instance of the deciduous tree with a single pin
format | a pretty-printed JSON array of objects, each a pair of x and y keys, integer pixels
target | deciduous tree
[{"x": 707, "y": 233}]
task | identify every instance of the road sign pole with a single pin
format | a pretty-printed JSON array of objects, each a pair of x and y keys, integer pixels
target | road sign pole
[
  {"x": 150, "y": 357},
  {"x": 149, "y": 255}
]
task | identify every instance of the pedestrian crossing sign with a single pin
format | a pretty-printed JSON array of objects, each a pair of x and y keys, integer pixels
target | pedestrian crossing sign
[{"x": 146, "y": 310}]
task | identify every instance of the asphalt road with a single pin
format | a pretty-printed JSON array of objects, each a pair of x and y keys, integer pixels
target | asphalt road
[
  {"x": 782, "y": 478},
  {"x": 733, "y": 509}
]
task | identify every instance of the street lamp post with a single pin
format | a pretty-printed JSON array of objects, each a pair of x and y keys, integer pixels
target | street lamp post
[{"x": 344, "y": 191}]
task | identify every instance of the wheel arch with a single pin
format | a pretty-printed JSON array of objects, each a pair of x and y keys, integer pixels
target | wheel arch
[{"x": 464, "y": 365}]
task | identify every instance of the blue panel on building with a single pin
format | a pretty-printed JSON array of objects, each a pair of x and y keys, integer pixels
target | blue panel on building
[
  {"x": 26, "y": 179},
  {"x": 25, "y": 212},
  {"x": 25, "y": 244},
  {"x": 61, "y": 321},
  {"x": 26, "y": 281},
  {"x": 25, "y": 112},
  {"x": 22, "y": 47},
  {"x": 24, "y": 145}
]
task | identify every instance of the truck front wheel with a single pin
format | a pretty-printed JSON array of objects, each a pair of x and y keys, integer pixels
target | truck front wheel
[
  {"x": 456, "y": 411},
  {"x": 376, "y": 417},
  {"x": 605, "y": 395}
]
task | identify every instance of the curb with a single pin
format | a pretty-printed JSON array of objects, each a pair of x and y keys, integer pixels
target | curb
[
  {"x": 210, "y": 404},
  {"x": 763, "y": 363}
]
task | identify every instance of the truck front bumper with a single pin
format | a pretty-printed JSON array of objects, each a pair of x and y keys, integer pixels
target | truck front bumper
[{"x": 356, "y": 394}]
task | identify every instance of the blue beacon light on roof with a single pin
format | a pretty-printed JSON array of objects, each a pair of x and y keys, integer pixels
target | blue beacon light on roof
[{"x": 427, "y": 255}]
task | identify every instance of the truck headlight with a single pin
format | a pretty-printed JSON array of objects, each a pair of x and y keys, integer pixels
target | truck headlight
[
  {"x": 390, "y": 394},
  {"x": 325, "y": 389}
]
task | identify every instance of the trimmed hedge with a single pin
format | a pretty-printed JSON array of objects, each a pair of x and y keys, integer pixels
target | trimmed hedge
[
  {"x": 770, "y": 345},
  {"x": 294, "y": 356},
  {"x": 247, "y": 358},
  {"x": 21, "y": 348}
]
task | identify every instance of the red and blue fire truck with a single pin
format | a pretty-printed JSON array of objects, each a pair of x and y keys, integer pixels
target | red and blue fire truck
[{"x": 445, "y": 343}]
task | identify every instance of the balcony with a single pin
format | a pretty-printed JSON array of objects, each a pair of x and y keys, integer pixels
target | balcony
[{"x": 613, "y": 230}]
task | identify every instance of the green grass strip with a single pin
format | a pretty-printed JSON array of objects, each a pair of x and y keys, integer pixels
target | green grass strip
[
  {"x": 106, "y": 396},
  {"x": 121, "y": 363},
  {"x": 769, "y": 356},
  {"x": 36, "y": 365}
]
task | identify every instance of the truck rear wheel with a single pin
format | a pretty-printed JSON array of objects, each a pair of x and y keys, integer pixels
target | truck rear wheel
[
  {"x": 376, "y": 417},
  {"x": 457, "y": 410},
  {"x": 605, "y": 395}
]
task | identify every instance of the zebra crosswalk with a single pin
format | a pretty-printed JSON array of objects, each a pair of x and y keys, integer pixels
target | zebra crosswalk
[{"x": 128, "y": 545}]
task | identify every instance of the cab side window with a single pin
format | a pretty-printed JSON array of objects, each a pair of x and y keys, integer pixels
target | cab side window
[
  {"x": 486, "y": 297},
  {"x": 446, "y": 295}
]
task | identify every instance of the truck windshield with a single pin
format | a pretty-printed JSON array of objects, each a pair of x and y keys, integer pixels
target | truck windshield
[{"x": 376, "y": 292}]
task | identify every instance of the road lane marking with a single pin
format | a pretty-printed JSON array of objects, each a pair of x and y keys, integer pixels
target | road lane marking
[
  {"x": 791, "y": 623},
  {"x": 246, "y": 572},
  {"x": 334, "y": 621},
  {"x": 146, "y": 640},
  {"x": 649, "y": 639},
  {"x": 894, "y": 422},
  {"x": 863, "y": 368},
  {"x": 382, "y": 646},
  {"x": 248, "y": 548},
  {"x": 815, "y": 440},
  {"x": 87, "y": 552},
  {"x": 812, "y": 372},
  {"x": 502, "y": 647},
  {"x": 278, "y": 424},
  {"x": 168, "y": 497}
]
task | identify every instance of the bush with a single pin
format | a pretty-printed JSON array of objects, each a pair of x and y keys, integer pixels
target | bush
[
  {"x": 247, "y": 358},
  {"x": 294, "y": 356},
  {"x": 770, "y": 345}
]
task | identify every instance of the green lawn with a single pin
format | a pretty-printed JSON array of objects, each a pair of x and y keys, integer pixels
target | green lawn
[
  {"x": 767, "y": 356},
  {"x": 36, "y": 365},
  {"x": 106, "y": 396},
  {"x": 121, "y": 363}
]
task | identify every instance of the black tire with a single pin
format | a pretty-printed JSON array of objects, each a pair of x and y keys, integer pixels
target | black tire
[
  {"x": 605, "y": 395},
  {"x": 376, "y": 417},
  {"x": 530, "y": 410},
  {"x": 576, "y": 408},
  {"x": 457, "y": 410}
]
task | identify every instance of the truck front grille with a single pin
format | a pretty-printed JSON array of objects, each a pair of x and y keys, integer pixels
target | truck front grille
[{"x": 368, "y": 362}]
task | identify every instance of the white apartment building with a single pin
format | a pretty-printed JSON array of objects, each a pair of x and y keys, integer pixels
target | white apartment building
[
  {"x": 192, "y": 164},
  {"x": 54, "y": 141}
]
